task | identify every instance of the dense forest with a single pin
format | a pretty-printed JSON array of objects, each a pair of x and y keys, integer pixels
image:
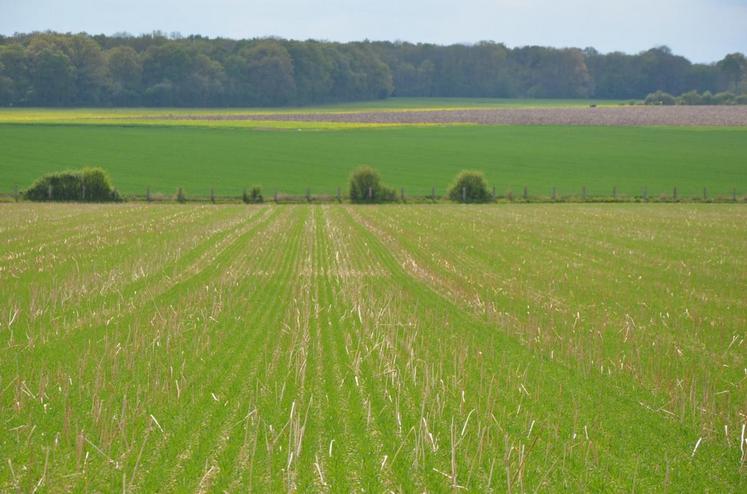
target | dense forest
[{"x": 51, "y": 69}]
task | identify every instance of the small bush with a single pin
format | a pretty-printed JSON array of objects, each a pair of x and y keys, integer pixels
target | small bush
[
  {"x": 366, "y": 186},
  {"x": 725, "y": 98},
  {"x": 660, "y": 98},
  {"x": 87, "y": 184},
  {"x": 690, "y": 98},
  {"x": 694, "y": 98},
  {"x": 253, "y": 196},
  {"x": 469, "y": 186},
  {"x": 741, "y": 99}
]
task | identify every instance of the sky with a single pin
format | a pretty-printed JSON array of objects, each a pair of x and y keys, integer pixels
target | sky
[{"x": 702, "y": 30}]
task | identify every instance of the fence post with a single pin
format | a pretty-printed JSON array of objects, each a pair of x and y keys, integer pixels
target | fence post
[
  {"x": 147, "y": 194},
  {"x": 674, "y": 194},
  {"x": 583, "y": 193},
  {"x": 83, "y": 192},
  {"x": 705, "y": 194},
  {"x": 212, "y": 195},
  {"x": 734, "y": 194},
  {"x": 464, "y": 194},
  {"x": 402, "y": 194},
  {"x": 308, "y": 194},
  {"x": 494, "y": 192},
  {"x": 614, "y": 192},
  {"x": 339, "y": 198},
  {"x": 510, "y": 196},
  {"x": 645, "y": 194},
  {"x": 526, "y": 193},
  {"x": 433, "y": 193},
  {"x": 15, "y": 192},
  {"x": 276, "y": 197},
  {"x": 370, "y": 193},
  {"x": 49, "y": 192},
  {"x": 554, "y": 194}
]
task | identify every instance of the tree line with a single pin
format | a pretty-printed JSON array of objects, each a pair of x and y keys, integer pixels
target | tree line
[{"x": 53, "y": 69}]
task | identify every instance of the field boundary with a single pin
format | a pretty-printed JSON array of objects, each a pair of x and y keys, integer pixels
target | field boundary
[{"x": 508, "y": 198}]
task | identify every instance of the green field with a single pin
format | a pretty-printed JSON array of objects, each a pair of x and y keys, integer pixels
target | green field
[
  {"x": 414, "y": 157},
  {"x": 389, "y": 348},
  {"x": 163, "y": 149}
]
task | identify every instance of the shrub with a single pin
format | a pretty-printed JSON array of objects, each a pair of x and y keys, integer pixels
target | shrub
[
  {"x": 469, "y": 186},
  {"x": 690, "y": 98},
  {"x": 694, "y": 98},
  {"x": 366, "y": 186},
  {"x": 725, "y": 98},
  {"x": 87, "y": 184},
  {"x": 741, "y": 99},
  {"x": 254, "y": 196},
  {"x": 660, "y": 98},
  {"x": 97, "y": 185}
]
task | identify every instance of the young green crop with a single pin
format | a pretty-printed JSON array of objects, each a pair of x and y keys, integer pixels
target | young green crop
[
  {"x": 414, "y": 158},
  {"x": 341, "y": 348}
]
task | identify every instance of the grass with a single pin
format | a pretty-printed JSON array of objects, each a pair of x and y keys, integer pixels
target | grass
[
  {"x": 405, "y": 348},
  {"x": 229, "y": 159}
]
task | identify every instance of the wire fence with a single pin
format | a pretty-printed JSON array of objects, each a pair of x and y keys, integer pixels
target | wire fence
[{"x": 524, "y": 195}]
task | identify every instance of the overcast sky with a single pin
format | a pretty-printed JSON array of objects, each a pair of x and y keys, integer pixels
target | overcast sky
[{"x": 702, "y": 30}]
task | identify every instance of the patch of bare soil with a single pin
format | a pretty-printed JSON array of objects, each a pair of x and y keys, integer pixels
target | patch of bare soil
[{"x": 711, "y": 116}]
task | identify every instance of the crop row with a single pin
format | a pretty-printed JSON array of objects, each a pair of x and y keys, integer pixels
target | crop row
[{"x": 319, "y": 348}]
